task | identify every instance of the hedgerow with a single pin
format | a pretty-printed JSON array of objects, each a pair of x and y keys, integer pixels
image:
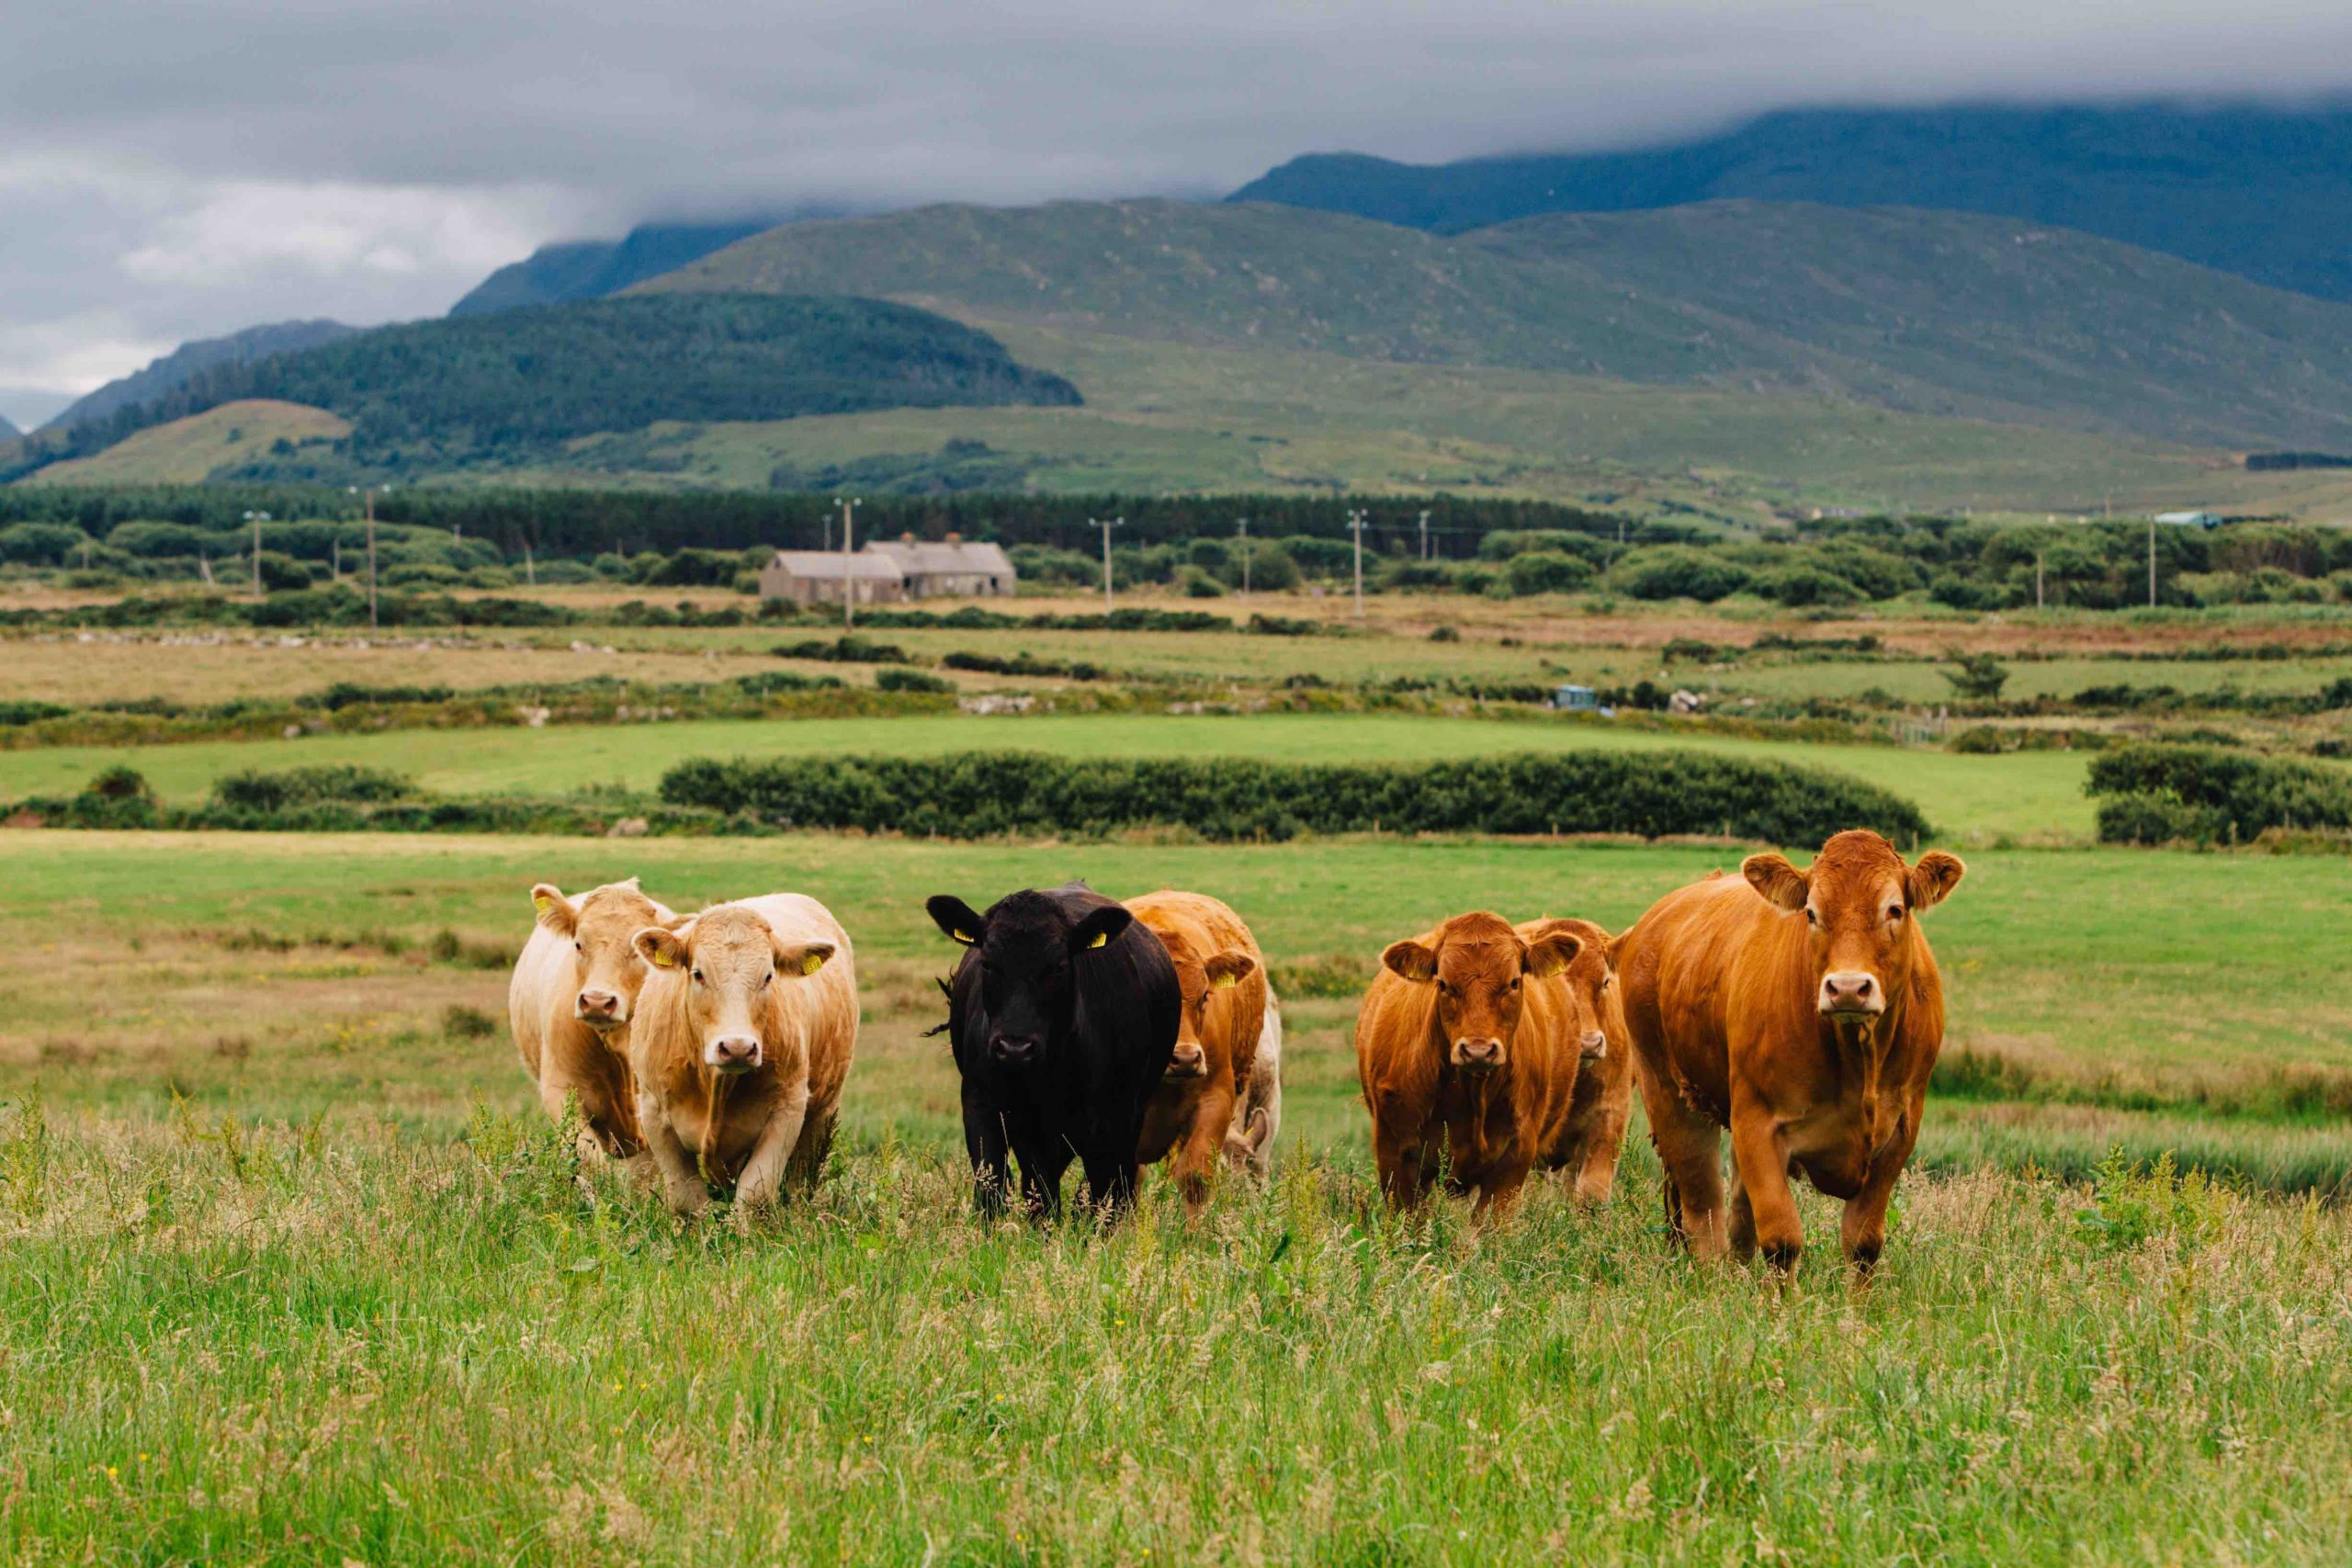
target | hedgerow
[
  {"x": 2157, "y": 794},
  {"x": 980, "y": 793}
]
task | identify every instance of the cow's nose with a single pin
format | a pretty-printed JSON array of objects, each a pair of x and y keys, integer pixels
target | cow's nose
[
  {"x": 735, "y": 1053},
  {"x": 1593, "y": 1045},
  {"x": 600, "y": 1005},
  {"x": 1482, "y": 1053},
  {"x": 1851, "y": 991},
  {"x": 1015, "y": 1050},
  {"x": 1187, "y": 1058}
]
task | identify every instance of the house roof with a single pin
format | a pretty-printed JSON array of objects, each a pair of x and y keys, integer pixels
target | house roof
[
  {"x": 832, "y": 564},
  {"x": 921, "y": 558}
]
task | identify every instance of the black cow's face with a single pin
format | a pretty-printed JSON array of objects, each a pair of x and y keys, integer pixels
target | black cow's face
[{"x": 1027, "y": 950}]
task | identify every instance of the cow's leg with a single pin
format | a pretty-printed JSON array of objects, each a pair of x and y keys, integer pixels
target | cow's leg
[
  {"x": 1862, "y": 1231},
  {"x": 763, "y": 1176},
  {"x": 807, "y": 1162},
  {"x": 1499, "y": 1189},
  {"x": 1603, "y": 1142},
  {"x": 1041, "y": 1178},
  {"x": 682, "y": 1184},
  {"x": 1762, "y": 1156},
  {"x": 984, "y": 1141},
  {"x": 1197, "y": 1154},
  {"x": 1111, "y": 1176},
  {"x": 1690, "y": 1148},
  {"x": 1397, "y": 1153}
]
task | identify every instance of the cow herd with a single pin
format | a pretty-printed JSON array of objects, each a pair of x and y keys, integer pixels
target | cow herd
[{"x": 1801, "y": 1011}]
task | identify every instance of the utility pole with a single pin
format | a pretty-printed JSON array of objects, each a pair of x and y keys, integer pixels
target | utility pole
[
  {"x": 2151, "y": 563},
  {"x": 530, "y": 568},
  {"x": 368, "y": 496},
  {"x": 1245, "y": 558},
  {"x": 1356, "y": 521},
  {"x": 1106, "y": 524},
  {"x": 256, "y": 519},
  {"x": 2036, "y": 580},
  {"x": 848, "y": 586},
  {"x": 1425, "y": 535}
]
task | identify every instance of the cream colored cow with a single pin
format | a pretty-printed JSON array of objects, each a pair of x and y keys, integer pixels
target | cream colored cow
[{"x": 571, "y": 1002}]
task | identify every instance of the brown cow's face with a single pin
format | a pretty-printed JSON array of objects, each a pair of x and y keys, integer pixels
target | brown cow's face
[
  {"x": 1479, "y": 967},
  {"x": 1200, "y": 982},
  {"x": 607, "y": 971},
  {"x": 1858, "y": 900},
  {"x": 732, "y": 959},
  {"x": 1592, "y": 991}
]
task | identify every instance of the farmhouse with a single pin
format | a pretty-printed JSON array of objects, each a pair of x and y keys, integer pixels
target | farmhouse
[
  {"x": 951, "y": 568},
  {"x": 825, "y": 577},
  {"x": 885, "y": 572}
]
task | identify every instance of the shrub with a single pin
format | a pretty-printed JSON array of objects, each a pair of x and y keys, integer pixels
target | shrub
[
  {"x": 256, "y": 790},
  {"x": 1273, "y": 568},
  {"x": 847, "y": 648},
  {"x": 1980, "y": 676},
  {"x": 1803, "y": 584},
  {"x": 1020, "y": 663},
  {"x": 41, "y": 544},
  {"x": 2232, "y": 794},
  {"x": 898, "y": 678},
  {"x": 976, "y": 794},
  {"x": 1678, "y": 571},
  {"x": 31, "y": 711},
  {"x": 1445, "y": 634},
  {"x": 1199, "y": 584},
  {"x": 1547, "y": 571},
  {"x": 283, "y": 574}
]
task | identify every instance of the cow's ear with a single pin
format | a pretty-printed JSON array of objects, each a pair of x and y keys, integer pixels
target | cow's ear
[
  {"x": 955, "y": 917},
  {"x": 1931, "y": 881},
  {"x": 1410, "y": 960},
  {"x": 1099, "y": 928},
  {"x": 1783, "y": 885},
  {"x": 1552, "y": 953},
  {"x": 555, "y": 910},
  {"x": 1229, "y": 969},
  {"x": 801, "y": 958},
  {"x": 660, "y": 946}
]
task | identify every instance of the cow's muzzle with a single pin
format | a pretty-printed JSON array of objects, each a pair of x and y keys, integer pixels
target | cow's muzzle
[
  {"x": 600, "y": 1010},
  {"x": 732, "y": 1053},
  {"x": 1851, "y": 996},
  {"x": 1016, "y": 1050},
  {"x": 1479, "y": 1055},
  {"x": 1188, "y": 1061},
  {"x": 1592, "y": 1045}
]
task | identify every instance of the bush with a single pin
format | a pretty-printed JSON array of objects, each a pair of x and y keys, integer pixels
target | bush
[
  {"x": 2223, "y": 794},
  {"x": 1272, "y": 569},
  {"x": 1980, "y": 676},
  {"x": 425, "y": 575},
  {"x": 41, "y": 544},
  {"x": 1199, "y": 584},
  {"x": 283, "y": 574},
  {"x": 847, "y": 648},
  {"x": 255, "y": 790},
  {"x": 898, "y": 678},
  {"x": 1547, "y": 571},
  {"x": 1445, "y": 634},
  {"x": 1803, "y": 584},
  {"x": 1678, "y": 571},
  {"x": 1020, "y": 664},
  {"x": 979, "y": 794}
]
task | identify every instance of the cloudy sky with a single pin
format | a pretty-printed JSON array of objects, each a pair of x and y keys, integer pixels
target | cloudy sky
[{"x": 179, "y": 168}]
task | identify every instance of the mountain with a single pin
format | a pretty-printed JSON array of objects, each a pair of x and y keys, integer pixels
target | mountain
[
  {"x": 592, "y": 269},
  {"x": 8, "y": 432},
  {"x": 1934, "y": 312},
  {"x": 191, "y": 450},
  {"x": 442, "y": 393},
  {"x": 168, "y": 375},
  {"x": 2263, "y": 192}
]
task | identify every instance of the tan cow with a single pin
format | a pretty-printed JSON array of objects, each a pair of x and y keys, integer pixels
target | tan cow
[
  {"x": 744, "y": 1037},
  {"x": 1593, "y": 1135},
  {"x": 1801, "y": 1009},
  {"x": 570, "y": 1003},
  {"x": 1222, "y": 976},
  {"x": 1468, "y": 1030}
]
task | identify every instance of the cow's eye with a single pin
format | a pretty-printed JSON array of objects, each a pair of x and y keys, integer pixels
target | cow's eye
[
  {"x": 698, "y": 977},
  {"x": 579, "y": 946},
  {"x": 1514, "y": 982},
  {"x": 1809, "y": 918},
  {"x": 765, "y": 978},
  {"x": 1894, "y": 913}
]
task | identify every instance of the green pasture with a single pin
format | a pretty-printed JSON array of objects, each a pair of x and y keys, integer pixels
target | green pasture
[
  {"x": 2033, "y": 796},
  {"x": 291, "y": 1270}
]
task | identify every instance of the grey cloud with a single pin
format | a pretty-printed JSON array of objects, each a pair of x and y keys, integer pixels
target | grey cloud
[{"x": 536, "y": 122}]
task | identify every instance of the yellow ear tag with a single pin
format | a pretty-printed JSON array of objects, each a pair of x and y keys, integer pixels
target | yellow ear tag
[
  {"x": 1101, "y": 938},
  {"x": 811, "y": 963},
  {"x": 661, "y": 959},
  {"x": 543, "y": 903},
  {"x": 1225, "y": 981},
  {"x": 966, "y": 938}
]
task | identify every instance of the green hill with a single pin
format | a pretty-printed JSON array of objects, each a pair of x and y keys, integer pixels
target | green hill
[
  {"x": 498, "y": 387},
  {"x": 1933, "y": 312},
  {"x": 2263, "y": 192},
  {"x": 169, "y": 374}
]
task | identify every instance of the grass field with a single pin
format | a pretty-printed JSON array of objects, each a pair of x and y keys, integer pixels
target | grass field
[
  {"x": 291, "y": 1273},
  {"x": 186, "y": 450},
  {"x": 2035, "y": 796}
]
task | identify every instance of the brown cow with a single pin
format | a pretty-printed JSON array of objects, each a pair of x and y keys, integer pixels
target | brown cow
[
  {"x": 1468, "y": 1029},
  {"x": 1594, "y": 1133},
  {"x": 1803, "y": 1010},
  {"x": 743, "y": 1038},
  {"x": 1222, "y": 976},
  {"x": 569, "y": 1003}
]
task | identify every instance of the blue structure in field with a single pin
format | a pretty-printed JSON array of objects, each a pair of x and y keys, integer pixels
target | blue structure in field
[{"x": 1577, "y": 699}]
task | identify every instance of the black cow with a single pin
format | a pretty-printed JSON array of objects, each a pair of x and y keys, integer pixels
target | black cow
[{"x": 1062, "y": 1014}]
